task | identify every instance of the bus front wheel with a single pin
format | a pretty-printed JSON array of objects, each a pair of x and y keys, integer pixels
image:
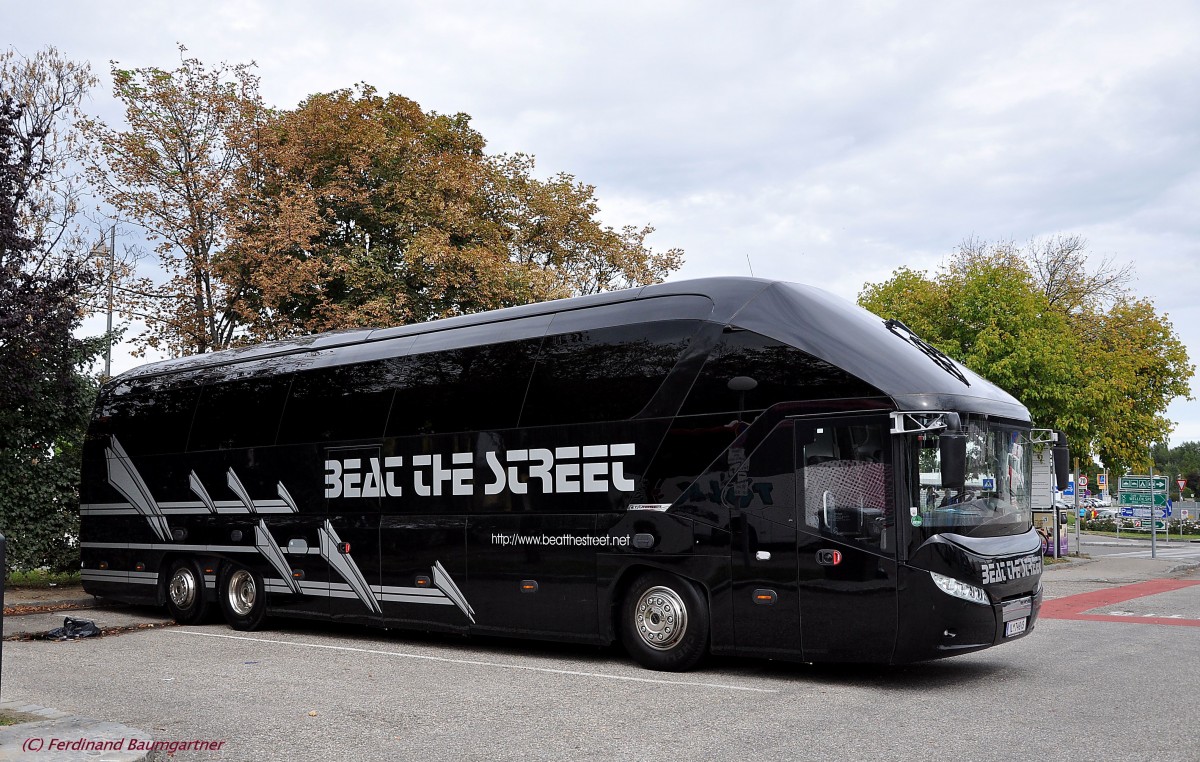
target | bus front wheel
[
  {"x": 664, "y": 622},
  {"x": 243, "y": 600},
  {"x": 185, "y": 592}
]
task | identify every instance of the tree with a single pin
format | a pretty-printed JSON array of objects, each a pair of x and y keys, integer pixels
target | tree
[
  {"x": 1182, "y": 461},
  {"x": 361, "y": 209},
  {"x": 171, "y": 172},
  {"x": 552, "y": 225},
  {"x": 48, "y": 89},
  {"x": 46, "y": 397},
  {"x": 1059, "y": 267},
  {"x": 1006, "y": 313}
]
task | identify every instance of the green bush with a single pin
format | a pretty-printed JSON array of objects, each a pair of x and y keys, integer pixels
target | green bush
[{"x": 1174, "y": 526}]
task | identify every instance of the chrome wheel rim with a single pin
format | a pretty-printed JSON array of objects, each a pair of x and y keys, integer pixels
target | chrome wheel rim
[
  {"x": 660, "y": 618},
  {"x": 182, "y": 588},
  {"x": 241, "y": 592}
]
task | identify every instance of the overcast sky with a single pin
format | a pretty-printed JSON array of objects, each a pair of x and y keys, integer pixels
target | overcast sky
[{"x": 820, "y": 142}]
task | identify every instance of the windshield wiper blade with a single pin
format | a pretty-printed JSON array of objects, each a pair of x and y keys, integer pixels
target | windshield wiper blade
[{"x": 940, "y": 358}]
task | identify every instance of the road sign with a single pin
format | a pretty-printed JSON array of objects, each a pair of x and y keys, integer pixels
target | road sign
[
  {"x": 1183, "y": 513},
  {"x": 1181, "y": 483},
  {"x": 1144, "y": 524},
  {"x": 1143, "y": 498},
  {"x": 1141, "y": 484},
  {"x": 1082, "y": 481},
  {"x": 1130, "y": 512}
]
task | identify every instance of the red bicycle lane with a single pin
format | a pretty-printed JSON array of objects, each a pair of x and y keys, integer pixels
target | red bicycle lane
[{"x": 1075, "y": 607}]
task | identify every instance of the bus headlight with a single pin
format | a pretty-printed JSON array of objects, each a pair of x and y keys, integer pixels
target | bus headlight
[{"x": 958, "y": 589}]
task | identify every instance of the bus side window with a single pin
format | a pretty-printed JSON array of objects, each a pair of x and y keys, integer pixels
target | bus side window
[
  {"x": 341, "y": 403},
  {"x": 605, "y": 374},
  {"x": 766, "y": 483},
  {"x": 242, "y": 413},
  {"x": 152, "y": 416},
  {"x": 463, "y": 389},
  {"x": 847, "y": 483},
  {"x": 782, "y": 373}
]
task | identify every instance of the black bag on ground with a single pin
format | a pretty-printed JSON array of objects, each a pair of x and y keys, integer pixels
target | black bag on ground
[{"x": 74, "y": 628}]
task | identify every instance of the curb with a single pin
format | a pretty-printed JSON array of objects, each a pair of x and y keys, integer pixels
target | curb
[
  {"x": 91, "y": 602},
  {"x": 1186, "y": 566}
]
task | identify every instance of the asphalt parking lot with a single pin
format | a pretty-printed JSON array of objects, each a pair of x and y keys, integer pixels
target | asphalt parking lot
[{"x": 1074, "y": 688}]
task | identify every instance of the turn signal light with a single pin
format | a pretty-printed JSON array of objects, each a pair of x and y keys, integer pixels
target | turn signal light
[
  {"x": 422, "y": 581},
  {"x": 529, "y": 586},
  {"x": 764, "y": 597}
]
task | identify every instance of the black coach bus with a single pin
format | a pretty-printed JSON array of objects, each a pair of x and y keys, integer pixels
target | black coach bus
[{"x": 730, "y": 465}]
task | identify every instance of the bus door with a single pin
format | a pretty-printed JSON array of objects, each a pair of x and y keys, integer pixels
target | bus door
[
  {"x": 355, "y": 482},
  {"x": 296, "y": 575},
  {"x": 762, "y": 504},
  {"x": 847, "y": 538},
  {"x": 422, "y": 541}
]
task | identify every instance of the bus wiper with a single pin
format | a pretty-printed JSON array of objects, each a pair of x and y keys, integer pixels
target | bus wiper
[{"x": 940, "y": 358}]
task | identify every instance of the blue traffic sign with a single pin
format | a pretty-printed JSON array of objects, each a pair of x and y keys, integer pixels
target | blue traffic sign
[{"x": 1129, "y": 512}]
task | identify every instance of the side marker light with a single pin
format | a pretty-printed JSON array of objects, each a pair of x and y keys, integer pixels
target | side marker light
[{"x": 764, "y": 597}]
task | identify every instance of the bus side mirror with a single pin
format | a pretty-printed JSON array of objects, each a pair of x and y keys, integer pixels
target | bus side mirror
[
  {"x": 954, "y": 460},
  {"x": 1062, "y": 461}
]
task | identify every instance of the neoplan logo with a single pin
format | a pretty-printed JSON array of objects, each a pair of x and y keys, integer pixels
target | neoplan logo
[{"x": 564, "y": 470}]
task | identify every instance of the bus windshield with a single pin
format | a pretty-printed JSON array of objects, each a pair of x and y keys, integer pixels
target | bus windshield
[{"x": 995, "y": 499}]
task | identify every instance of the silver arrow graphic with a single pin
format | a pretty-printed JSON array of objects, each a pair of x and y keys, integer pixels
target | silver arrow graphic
[{"x": 125, "y": 479}]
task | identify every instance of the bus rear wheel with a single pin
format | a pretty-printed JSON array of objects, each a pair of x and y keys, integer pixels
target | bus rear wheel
[
  {"x": 243, "y": 599},
  {"x": 185, "y": 592},
  {"x": 664, "y": 622}
]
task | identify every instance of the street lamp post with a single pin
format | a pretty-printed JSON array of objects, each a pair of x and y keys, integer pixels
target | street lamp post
[
  {"x": 112, "y": 262},
  {"x": 1153, "y": 520}
]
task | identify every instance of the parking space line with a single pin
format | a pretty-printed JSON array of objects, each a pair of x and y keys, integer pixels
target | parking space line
[
  {"x": 1074, "y": 606},
  {"x": 477, "y": 663}
]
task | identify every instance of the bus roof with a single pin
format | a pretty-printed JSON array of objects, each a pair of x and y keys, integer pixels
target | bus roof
[{"x": 882, "y": 353}]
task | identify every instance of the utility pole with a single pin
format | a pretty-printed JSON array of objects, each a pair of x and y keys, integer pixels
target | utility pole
[{"x": 112, "y": 274}]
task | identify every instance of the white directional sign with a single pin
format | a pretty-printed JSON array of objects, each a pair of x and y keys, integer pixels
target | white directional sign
[{"x": 1141, "y": 483}]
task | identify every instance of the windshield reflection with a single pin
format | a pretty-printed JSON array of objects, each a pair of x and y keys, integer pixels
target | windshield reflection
[{"x": 995, "y": 499}]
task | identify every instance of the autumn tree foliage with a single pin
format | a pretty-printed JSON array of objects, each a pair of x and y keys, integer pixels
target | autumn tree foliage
[
  {"x": 353, "y": 209},
  {"x": 46, "y": 396},
  {"x": 1070, "y": 341},
  {"x": 171, "y": 171},
  {"x": 358, "y": 208}
]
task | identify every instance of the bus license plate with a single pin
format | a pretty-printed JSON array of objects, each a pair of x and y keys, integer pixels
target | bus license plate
[{"x": 1015, "y": 627}]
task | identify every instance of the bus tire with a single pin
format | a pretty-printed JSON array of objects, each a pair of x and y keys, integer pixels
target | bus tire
[
  {"x": 243, "y": 598},
  {"x": 185, "y": 592},
  {"x": 664, "y": 622}
]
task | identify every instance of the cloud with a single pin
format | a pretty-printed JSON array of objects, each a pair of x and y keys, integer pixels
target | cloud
[{"x": 828, "y": 143}]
